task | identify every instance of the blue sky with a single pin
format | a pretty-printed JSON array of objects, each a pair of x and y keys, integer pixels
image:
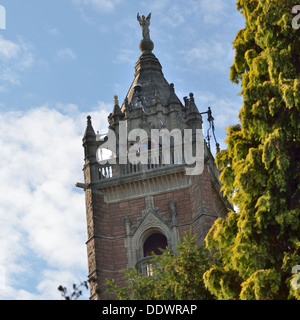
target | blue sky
[{"x": 59, "y": 62}]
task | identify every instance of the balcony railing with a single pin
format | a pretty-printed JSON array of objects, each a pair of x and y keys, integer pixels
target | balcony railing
[
  {"x": 145, "y": 266},
  {"x": 109, "y": 171}
]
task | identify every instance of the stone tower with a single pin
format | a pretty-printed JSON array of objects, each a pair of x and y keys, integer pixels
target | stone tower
[{"x": 135, "y": 207}]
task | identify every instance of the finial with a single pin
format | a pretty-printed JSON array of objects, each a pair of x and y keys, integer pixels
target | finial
[
  {"x": 146, "y": 44},
  {"x": 191, "y": 96},
  {"x": 116, "y": 100},
  {"x": 89, "y": 131},
  {"x": 172, "y": 87},
  {"x": 117, "y": 110}
]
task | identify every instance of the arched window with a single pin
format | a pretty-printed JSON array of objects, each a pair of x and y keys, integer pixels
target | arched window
[{"x": 153, "y": 243}]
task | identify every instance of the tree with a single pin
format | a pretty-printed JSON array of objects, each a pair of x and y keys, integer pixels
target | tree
[
  {"x": 257, "y": 247},
  {"x": 176, "y": 275},
  {"x": 77, "y": 291}
]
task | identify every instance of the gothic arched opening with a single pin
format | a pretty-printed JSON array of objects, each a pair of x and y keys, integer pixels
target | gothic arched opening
[{"x": 153, "y": 243}]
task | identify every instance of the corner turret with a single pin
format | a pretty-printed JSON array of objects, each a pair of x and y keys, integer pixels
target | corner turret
[
  {"x": 193, "y": 116},
  {"x": 90, "y": 146},
  {"x": 116, "y": 116}
]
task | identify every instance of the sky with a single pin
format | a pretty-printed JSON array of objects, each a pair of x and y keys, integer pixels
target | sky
[{"x": 61, "y": 61}]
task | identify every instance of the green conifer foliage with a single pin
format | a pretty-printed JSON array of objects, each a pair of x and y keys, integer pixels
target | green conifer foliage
[{"x": 258, "y": 246}]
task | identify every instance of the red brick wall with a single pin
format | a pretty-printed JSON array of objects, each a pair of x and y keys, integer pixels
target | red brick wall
[{"x": 106, "y": 227}]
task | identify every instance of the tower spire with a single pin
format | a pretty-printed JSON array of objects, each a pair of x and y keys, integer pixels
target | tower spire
[
  {"x": 89, "y": 143},
  {"x": 149, "y": 75}
]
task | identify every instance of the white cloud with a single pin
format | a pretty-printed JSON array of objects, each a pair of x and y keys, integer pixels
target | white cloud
[
  {"x": 169, "y": 13},
  {"x": 8, "y": 49},
  {"x": 42, "y": 214},
  {"x": 225, "y": 110},
  {"x": 213, "y": 11},
  {"x": 66, "y": 53},
  {"x": 100, "y": 5},
  {"x": 125, "y": 56},
  {"x": 209, "y": 54},
  {"x": 15, "y": 58},
  {"x": 176, "y": 14},
  {"x": 156, "y": 5},
  {"x": 53, "y": 31}
]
